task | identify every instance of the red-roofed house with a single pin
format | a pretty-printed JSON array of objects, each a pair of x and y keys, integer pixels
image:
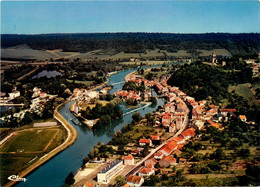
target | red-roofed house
[
  {"x": 150, "y": 163},
  {"x": 143, "y": 142},
  {"x": 135, "y": 152},
  {"x": 144, "y": 171},
  {"x": 167, "y": 161},
  {"x": 43, "y": 94},
  {"x": 242, "y": 118},
  {"x": 87, "y": 184},
  {"x": 128, "y": 160},
  {"x": 169, "y": 108},
  {"x": 158, "y": 155},
  {"x": 134, "y": 181},
  {"x": 166, "y": 118},
  {"x": 216, "y": 125},
  {"x": 126, "y": 185},
  {"x": 169, "y": 148},
  {"x": 225, "y": 111},
  {"x": 155, "y": 137},
  {"x": 188, "y": 133}
]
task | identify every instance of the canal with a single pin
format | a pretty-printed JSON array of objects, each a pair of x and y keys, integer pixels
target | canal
[{"x": 53, "y": 173}]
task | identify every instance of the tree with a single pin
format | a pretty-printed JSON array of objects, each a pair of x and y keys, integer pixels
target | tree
[
  {"x": 244, "y": 152},
  {"x": 219, "y": 154},
  {"x": 136, "y": 117},
  {"x": 153, "y": 100},
  {"x": 120, "y": 181},
  {"x": 151, "y": 180},
  {"x": 214, "y": 166},
  {"x": 70, "y": 179}
]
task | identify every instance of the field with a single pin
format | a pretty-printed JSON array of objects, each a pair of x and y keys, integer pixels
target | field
[
  {"x": 26, "y": 147},
  {"x": 244, "y": 91},
  {"x": 29, "y": 141}
]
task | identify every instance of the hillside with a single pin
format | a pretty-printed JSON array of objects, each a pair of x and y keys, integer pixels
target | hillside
[{"x": 113, "y": 43}]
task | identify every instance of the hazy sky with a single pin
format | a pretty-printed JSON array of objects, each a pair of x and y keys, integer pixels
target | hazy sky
[{"x": 33, "y": 17}]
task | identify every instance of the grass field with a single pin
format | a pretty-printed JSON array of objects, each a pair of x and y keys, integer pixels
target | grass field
[
  {"x": 92, "y": 165},
  {"x": 30, "y": 141},
  {"x": 31, "y": 145},
  {"x": 139, "y": 131},
  {"x": 244, "y": 91}
]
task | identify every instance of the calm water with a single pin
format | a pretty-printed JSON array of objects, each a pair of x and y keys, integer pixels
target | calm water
[
  {"x": 46, "y": 73},
  {"x": 55, "y": 171}
]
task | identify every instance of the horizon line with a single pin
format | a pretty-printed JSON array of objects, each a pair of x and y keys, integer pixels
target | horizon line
[{"x": 130, "y": 33}]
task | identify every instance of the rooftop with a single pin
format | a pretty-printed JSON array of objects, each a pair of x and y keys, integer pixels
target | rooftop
[{"x": 110, "y": 166}]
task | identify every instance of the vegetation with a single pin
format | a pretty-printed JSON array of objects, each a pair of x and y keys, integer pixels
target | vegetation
[
  {"x": 70, "y": 179},
  {"x": 120, "y": 181},
  {"x": 131, "y": 86},
  {"x": 137, "y": 42},
  {"x": 105, "y": 114}
]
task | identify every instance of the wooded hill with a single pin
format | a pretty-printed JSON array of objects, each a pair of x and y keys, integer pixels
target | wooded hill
[{"x": 236, "y": 44}]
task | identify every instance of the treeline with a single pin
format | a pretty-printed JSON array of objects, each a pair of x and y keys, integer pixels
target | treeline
[{"x": 242, "y": 44}]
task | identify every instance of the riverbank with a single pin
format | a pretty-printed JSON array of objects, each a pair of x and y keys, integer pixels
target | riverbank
[{"x": 71, "y": 138}]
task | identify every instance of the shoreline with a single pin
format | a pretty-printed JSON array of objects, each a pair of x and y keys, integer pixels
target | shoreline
[{"x": 71, "y": 138}]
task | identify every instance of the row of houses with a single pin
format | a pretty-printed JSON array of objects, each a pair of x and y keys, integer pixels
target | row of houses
[{"x": 164, "y": 157}]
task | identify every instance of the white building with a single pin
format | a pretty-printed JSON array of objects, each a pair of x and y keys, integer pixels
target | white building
[
  {"x": 145, "y": 171},
  {"x": 14, "y": 94},
  {"x": 108, "y": 172},
  {"x": 129, "y": 160}
]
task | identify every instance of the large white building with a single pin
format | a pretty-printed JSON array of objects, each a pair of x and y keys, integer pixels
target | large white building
[{"x": 108, "y": 172}]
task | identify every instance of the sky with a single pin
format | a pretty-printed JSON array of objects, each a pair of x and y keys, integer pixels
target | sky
[{"x": 183, "y": 16}]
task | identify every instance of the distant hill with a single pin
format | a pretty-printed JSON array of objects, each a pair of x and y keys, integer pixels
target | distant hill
[{"x": 236, "y": 44}]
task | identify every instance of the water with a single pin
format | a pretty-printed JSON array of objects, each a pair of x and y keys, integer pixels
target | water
[
  {"x": 46, "y": 73},
  {"x": 56, "y": 170}
]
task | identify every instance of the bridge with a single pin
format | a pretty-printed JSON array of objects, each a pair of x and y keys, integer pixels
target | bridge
[
  {"x": 117, "y": 83},
  {"x": 147, "y": 104}
]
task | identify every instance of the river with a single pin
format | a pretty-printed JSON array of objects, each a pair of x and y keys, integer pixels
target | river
[{"x": 53, "y": 173}]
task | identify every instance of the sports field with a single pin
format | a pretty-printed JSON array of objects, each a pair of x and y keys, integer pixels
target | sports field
[
  {"x": 29, "y": 141},
  {"x": 25, "y": 147}
]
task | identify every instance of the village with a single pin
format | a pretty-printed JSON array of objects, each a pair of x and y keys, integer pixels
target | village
[{"x": 173, "y": 126}]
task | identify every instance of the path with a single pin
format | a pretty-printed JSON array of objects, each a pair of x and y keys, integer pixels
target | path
[{"x": 27, "y": 74}]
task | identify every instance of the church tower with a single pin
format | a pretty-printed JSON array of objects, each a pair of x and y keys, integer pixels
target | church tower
[{"x": 214, "y": 58}]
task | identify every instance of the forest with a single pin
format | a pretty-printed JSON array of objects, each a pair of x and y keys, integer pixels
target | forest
[{"x": 236, "y": 44}]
